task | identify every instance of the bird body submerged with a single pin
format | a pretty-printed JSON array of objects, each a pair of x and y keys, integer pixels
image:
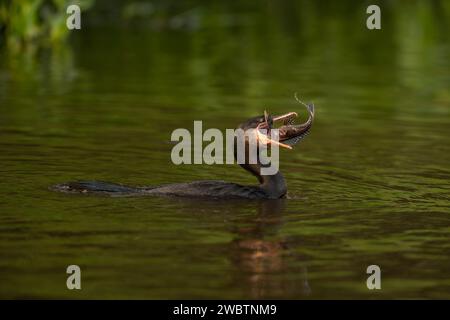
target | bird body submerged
[{"x": 205, "y": 188}]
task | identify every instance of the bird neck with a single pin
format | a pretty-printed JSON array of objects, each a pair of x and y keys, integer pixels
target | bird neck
[{"x": 274, "y": 185}]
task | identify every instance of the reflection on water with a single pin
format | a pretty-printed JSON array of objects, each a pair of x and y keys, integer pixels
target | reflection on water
[
  {"x": 259, "y": 255},
  {"x": 370, "y": 185}
]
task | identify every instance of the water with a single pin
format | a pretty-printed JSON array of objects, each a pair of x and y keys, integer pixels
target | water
[{"x": 370, "y": 185}]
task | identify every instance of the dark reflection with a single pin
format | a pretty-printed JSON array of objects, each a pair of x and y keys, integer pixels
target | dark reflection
[
  {"x": 264, "y": 262},
  {"x": 259, "y": 254}
]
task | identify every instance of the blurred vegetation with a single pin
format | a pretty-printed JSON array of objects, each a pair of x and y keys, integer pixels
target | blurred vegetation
[
  {"x": 29, "y": 22},
  {"x": 218, "y": 37}
]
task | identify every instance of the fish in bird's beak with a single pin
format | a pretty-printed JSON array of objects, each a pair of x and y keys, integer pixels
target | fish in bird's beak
[{"x": 289, "y": 133}]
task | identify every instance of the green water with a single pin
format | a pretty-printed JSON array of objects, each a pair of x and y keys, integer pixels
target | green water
[{"x": 370, "y": 185}]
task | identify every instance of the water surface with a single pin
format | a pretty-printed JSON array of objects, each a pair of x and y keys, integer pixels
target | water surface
[{"x": 370, "y": 185}]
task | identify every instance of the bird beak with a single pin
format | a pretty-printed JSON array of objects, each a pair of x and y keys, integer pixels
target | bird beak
[{"x": 265, "y": 138}]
